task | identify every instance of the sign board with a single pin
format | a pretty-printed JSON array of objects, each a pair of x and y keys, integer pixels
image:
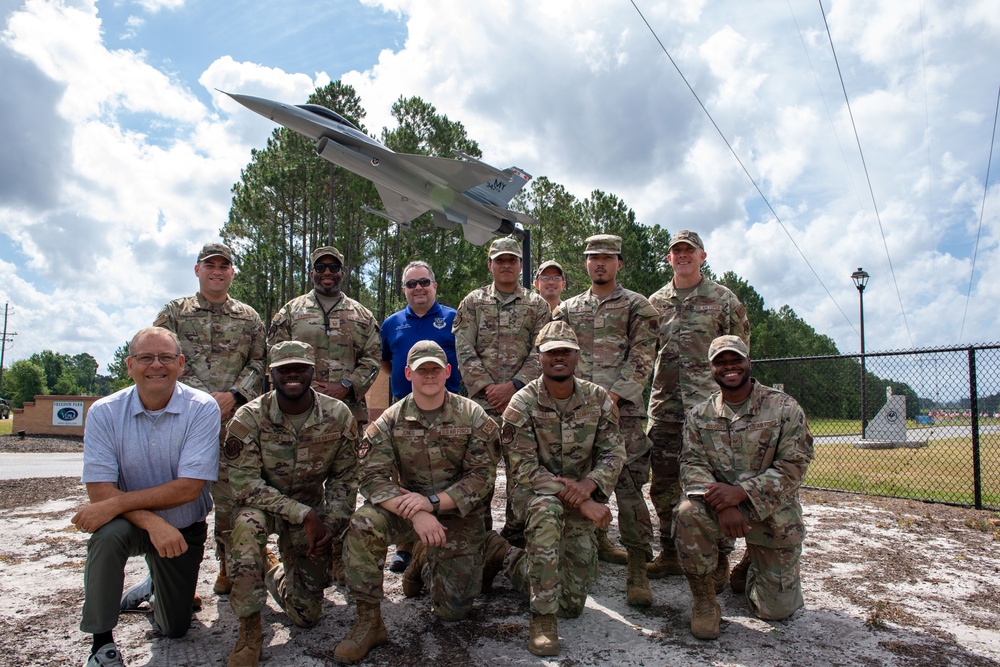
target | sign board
[{"x": 67, "y": 413}]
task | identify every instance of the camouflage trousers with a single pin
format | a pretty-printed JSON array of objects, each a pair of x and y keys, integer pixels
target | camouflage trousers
[
  {"x": 223, "y": 498},
  {"x": 560, "y": 561},
  {"x": 453, "y": 573},
  {"x": 774, "y": 586},
  {"x": 665, "y": 486},
  {"x": 297, "y": 585},
  {"x": 634, "y": 521}
]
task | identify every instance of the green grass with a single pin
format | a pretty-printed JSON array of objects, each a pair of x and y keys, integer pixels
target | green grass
[
  {"x": 6, "y": 425},
  {"x": 940, "y": 472}
]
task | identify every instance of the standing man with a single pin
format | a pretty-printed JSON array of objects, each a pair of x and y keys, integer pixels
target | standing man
[
  {"x": 223, "y": 344},
  {"x": 422, "y": 319},
  {"x": 746, "y": 450},
  {"x": 566, "y": 452},
  {"x": 550, "y": 281},
  {"x": 345, "y": 339},
  {"x": 693, "y": 312},
  {"x": 494, "y": 331},
  {"x": 294, "y": 471},
  {"x": 148, "y": 451},
  {"x": 616, "y": 329},
  {"x": 428, "y": 465}
]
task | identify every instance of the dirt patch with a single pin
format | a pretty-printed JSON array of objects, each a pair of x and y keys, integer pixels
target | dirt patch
[
  {"x": 887, "y": 583},
  {"x": 41, "y": 443}
]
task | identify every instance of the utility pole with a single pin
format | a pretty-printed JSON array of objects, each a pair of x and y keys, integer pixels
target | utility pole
[{"x": 4, "y": 340}]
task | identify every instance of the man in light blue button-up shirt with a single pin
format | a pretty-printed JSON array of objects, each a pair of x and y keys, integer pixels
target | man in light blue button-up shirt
[{"x": 148, "y": 452}]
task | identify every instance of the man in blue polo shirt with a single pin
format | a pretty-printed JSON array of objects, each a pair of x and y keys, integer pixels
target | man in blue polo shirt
[{"x": 422, "y": 319}]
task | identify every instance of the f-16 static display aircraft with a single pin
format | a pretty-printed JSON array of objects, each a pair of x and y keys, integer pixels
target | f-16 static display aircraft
[{"x": 466, "y": 192}]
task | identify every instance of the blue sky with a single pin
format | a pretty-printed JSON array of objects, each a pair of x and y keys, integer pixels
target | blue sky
[{"x": 120, "y": 153}]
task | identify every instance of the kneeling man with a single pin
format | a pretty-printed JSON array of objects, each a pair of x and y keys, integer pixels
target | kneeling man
[
  {"x": 293, "y": 470},
  {"x": 444, "y": 448},
  {"x": 566, "y": 449},
  {"x": 148, "y": 452},
  {"x": 746, "y": 450}
]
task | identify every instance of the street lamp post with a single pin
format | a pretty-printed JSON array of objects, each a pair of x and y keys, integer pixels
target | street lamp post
[{"x": 860, "y": 278}]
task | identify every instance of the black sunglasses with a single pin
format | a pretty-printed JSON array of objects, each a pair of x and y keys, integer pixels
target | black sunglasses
[
  {"x": 321, "y": 267},
  {"x": 423, "y": 282}
]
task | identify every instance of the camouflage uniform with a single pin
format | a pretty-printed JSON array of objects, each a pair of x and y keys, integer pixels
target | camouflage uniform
[
  {"x": 278, "y": 475},
  {"x": 494, "y": 338},
  {"x": 347, "y": 342},
  {"x": 457, "y": 455},
  {"x": 765, "y": 448},
  {"x": 223, "y": 347},
  {"x": 682, "y": 377},
  {"x": 617, "y": 338},
  {"x": 584, "y": 442}
]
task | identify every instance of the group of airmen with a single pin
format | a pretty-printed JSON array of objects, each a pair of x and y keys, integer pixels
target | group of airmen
[{"x": 554, "y": 389}]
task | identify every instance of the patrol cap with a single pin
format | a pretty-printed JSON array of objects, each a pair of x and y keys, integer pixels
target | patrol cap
[
  {"x": 686, "y": 236},
  {"x": 215, "y": 250},
  {"x": 730, "y": 344},
  {"x": 604, "y": 244},
  {"x": 323, "y": 252},
  {"x": 550, "y": 263},
  {"x": 505, "y": 245},
  {"x": 424, "y": 351},
  {"x": 292, "y": 352},
  {"x": 556, "y": 335}
]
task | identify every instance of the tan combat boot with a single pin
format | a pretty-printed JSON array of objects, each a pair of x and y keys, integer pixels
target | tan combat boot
[
  {"x": 607, "y": 551},
  {"x": 413, "y": 575},
  {"x": 494, "y": 551},
  {"x": 543, "y": 636},
  {"x": 246, "y": 653},
  {"x": 664, "y": 564},
  {"x": 222, "y": 585},
  {"x": 637, "y": 589},
  {"x": 738, "y": 579},
  {"x": 721, "y": 575},
  {"x": 705, "y": 612},
  {"x": 367, "y": 633}
]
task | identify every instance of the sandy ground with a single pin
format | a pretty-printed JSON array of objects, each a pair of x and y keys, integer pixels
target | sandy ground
[{"x": 887, "y": 582}]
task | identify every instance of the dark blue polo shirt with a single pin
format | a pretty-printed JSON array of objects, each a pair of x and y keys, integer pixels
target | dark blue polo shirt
[{"x": 404, "y": 328}]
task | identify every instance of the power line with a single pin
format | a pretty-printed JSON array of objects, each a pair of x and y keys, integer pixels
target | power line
[
  {"x": 986, "y": 187},
  {"x": 864, "y": 164},
  {"x": 740, "y": 162}
]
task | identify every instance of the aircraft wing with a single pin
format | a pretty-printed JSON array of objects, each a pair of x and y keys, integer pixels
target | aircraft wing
[
  {"x": 400, "y": 208},
  {"x": 455, "y": 174},
  {"x": 513, "y": 216}
]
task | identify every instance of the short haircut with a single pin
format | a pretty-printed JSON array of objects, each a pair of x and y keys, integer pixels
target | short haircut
[
  {"x": 419, "y": 264},
  {"x": 153, "y": 331}
]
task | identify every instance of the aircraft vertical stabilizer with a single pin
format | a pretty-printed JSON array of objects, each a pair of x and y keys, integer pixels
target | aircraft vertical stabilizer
[{"x": 499, "y": 192}]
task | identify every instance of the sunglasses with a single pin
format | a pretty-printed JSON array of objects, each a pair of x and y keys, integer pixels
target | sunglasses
[
  {"x": 423, "y": 282},
  {"x": 321, "y": 267}
]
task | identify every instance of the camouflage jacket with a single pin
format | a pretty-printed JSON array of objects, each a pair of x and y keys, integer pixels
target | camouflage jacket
[
  {"x": 350, "y": 346},
  {"x": 457, "y": 454},
  {"x": 584, "y": 442},
  {"x": 766, "y": 449},
  {"x": 617, "y": 339},
  {"x": 495, "y": 338},
  {"x": 222, "y": 350},
  {"x": 273, "y": 469},
  {"x": 682, "y": 377}
]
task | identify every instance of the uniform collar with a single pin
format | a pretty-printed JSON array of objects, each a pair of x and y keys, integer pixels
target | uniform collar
[
  {"x": 277, "y": 417},
  {"x": 492, "y": 290},
  {"x": 752, "y": 405},
  {"x": 546, "y": 399},
  {"x": 411, "y": 413}
]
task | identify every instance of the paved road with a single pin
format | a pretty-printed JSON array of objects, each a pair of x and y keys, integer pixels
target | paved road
[{"x": 24, "y": 466}]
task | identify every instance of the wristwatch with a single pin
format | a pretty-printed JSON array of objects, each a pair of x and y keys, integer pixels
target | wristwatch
[
  {"x": 435, "y": 502},
  {"x": 238, "y": 397},
  {"x": 517, "y": 384},
  {"x": 347, "y": 383}
]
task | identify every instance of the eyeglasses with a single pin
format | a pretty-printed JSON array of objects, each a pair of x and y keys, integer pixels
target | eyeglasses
[
  {"x": 423, "y": 282},
  {"x": 321, "y": 267},
  {"x": 550, "y": 279},
  {"x": 146, "y": 359}
]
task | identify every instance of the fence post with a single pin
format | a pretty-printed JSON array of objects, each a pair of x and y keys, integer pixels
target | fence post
[{"x": 977, "y": 473}]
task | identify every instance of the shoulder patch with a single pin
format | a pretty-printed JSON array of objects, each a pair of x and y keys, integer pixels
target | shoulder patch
[
  {"x": 511, "y": 414},
  {"x": 363, "y": 447},
  {"x": 233, "y": 448},
  {"x": 371, "y": 430},
  {"x": 489, "y": 428},
  {"x": 507, "y": 433},
  {"x": 238, "y": 429}
]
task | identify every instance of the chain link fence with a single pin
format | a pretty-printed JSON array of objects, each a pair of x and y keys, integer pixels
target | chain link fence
[{"x": 921, "y": 424}]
